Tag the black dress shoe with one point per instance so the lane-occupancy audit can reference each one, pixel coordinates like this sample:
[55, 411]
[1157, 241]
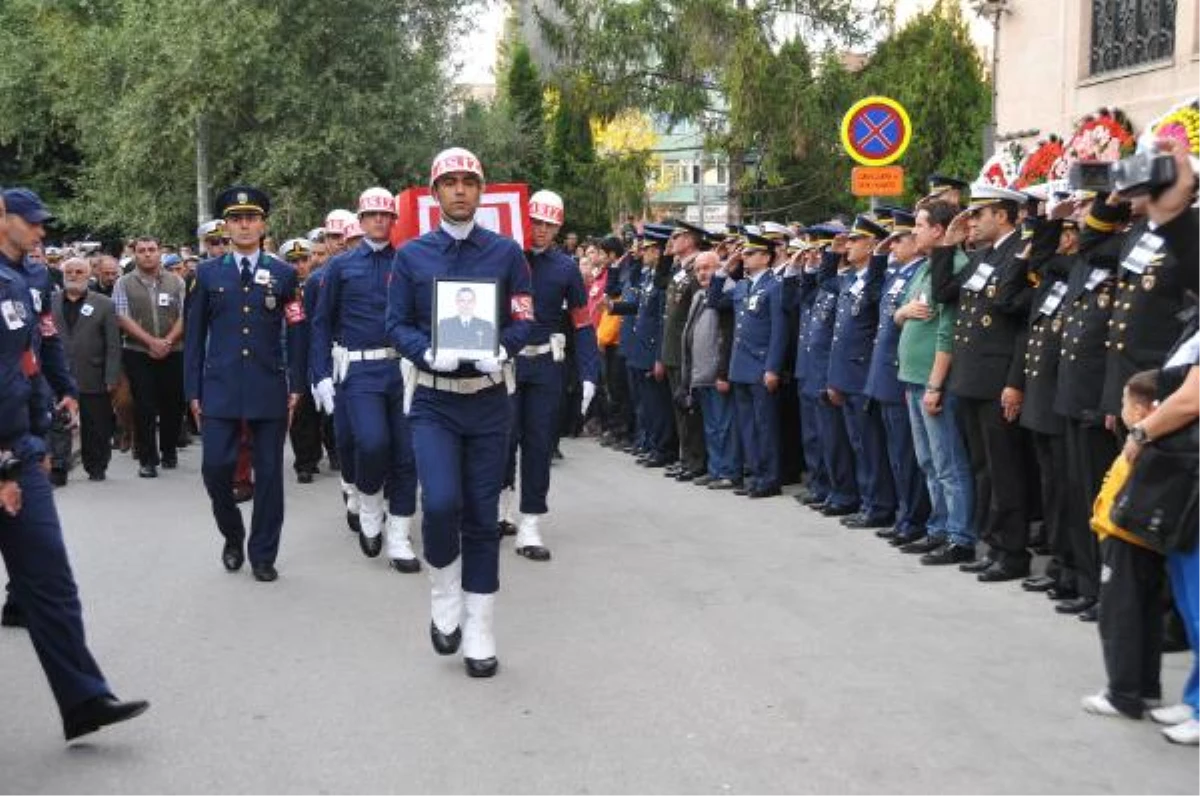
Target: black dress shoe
[1057, 593]
[265, 573]
[922, 546]
[742, 491]
[902, 539]
[653, 462]
[147, 471]
[481, 668]
[1076, 606]
[1040, 583]
[949, 554]
[445, 643]
[864, 521]
[100, 712]
[687, 475]
[170, 462]
[998, 573]
[534, 552]
[887, 533]
[232, 557]
[850, 518]
[833, 510]
[353, 522]
[814, 500]
[977, 566]
[304, 477]
[96, 475]
[58, 477]
[506, 528]
[1090, 615]
[772, 491]
[673, 469]
[243, 493]
[11, 615]
[371, 547]
[406, 565]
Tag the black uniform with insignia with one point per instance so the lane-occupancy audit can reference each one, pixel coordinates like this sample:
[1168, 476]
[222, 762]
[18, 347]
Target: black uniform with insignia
[678, 291]
[986, 361]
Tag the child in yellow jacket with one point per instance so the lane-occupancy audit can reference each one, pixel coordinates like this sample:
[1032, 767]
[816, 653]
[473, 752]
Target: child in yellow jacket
[1131, 582]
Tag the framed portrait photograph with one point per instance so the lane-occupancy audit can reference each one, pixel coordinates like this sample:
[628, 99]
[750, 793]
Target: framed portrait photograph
[466, 314]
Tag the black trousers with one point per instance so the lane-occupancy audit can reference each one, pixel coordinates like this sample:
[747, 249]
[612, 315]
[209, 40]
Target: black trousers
[95, 431]
[157, 386]
[1090, 450]
[619, 406]
[1131, 624]
[791, 454]
[329, 439]
[999, 460]
[689, 426]
[1051, 452]
[305, 434]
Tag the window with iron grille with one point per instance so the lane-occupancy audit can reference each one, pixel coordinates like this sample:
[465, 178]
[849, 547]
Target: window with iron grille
[1127, 33]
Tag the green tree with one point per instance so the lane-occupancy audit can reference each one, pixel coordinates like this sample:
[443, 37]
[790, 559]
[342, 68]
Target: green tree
[523, 90]
[572, 168]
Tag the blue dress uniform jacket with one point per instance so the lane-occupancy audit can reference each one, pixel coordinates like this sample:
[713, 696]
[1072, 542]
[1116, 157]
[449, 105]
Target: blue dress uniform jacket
[558, 291]
[760, 325]
[819, 338]
[855, 326]
[648, 324]
[352, 310]
[53, 354]
[233, 358]
[883, 381]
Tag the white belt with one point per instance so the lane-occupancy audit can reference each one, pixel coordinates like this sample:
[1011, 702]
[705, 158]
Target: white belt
[536, 350]
[462, 386]
[372, 355]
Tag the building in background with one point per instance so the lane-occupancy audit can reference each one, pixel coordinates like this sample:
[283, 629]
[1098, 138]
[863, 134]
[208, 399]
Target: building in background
[685, 181]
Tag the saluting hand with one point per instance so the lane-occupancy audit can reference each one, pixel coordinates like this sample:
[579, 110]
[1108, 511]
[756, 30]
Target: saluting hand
[956, 233]
[10, 497]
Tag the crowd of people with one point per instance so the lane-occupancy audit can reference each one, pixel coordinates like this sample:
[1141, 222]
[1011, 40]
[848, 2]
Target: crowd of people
[962, 371]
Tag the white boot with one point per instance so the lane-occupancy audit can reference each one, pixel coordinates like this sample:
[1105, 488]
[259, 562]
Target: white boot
[446, 607]
[350, 498]
[508, 512]
[479, 640]
[529, 539]
[371, 513]
[399, 545]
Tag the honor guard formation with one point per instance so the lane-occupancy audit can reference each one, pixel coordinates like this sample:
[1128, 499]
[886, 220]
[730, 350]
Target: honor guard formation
[1001, 378]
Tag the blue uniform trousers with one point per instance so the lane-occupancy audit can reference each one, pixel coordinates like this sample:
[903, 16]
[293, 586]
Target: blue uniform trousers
[810, 442]
[343, 435]
[912, 496]
[838, 455]
[871, 470]
[758, 429]
[44, 589]
[382, 448]
[636, 379]
[461, 447]
[220, 438]
[536, 409]
[658, 419]
[1184, 571]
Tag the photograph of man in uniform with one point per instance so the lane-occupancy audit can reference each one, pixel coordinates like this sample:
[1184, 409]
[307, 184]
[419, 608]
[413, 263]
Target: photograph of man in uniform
[460, 330]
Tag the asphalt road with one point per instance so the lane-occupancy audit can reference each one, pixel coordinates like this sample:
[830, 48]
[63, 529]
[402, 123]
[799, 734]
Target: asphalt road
[680, 641]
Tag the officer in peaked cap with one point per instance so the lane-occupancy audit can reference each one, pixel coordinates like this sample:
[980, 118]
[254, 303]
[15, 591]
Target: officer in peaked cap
[883, 383]
[681, 284]
[807, 258]
[236, 372]
[988, 377]
[622, 293]
[759, 346]
[365, 377]
[212, 237]
[791, 457]
[305, 430]
[948, 189]
[850, 356]
[657, 420]
[460, 405]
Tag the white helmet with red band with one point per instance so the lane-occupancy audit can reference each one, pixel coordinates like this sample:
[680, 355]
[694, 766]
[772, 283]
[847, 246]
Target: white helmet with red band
[376, 200]
[547, 206]
[353, 230]
[336, 221]
[453, 160]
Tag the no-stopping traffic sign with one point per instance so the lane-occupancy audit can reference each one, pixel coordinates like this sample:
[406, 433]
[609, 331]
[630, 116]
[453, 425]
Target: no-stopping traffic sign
[876, 131]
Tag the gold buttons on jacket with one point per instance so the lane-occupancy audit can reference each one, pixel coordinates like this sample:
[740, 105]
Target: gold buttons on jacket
[986, 321]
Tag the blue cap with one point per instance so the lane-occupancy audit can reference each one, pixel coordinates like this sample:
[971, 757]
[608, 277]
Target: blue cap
[864, 227]
[170, 261]
[26, 204]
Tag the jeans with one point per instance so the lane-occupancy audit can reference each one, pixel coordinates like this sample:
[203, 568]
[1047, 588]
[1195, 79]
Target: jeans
[1183, 569]
[942, 456]
[720, 433]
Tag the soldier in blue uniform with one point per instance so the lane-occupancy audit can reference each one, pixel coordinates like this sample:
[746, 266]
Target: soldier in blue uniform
[842, 498]
[849, 357]
[31, 541]
[623, 289]
[25, 222]
[557, 292]
[883, 382]
[759, 344]
[807, 258]
[460, 415]
[350, 310]
[235, 372]
[305, 431]
[654, 393]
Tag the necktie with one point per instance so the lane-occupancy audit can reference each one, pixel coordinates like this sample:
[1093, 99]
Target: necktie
[246, 273]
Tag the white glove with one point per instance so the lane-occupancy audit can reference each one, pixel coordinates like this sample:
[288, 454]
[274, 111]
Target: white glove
[323, 395]
[491, 365]
[444, 363]
[589, 392]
